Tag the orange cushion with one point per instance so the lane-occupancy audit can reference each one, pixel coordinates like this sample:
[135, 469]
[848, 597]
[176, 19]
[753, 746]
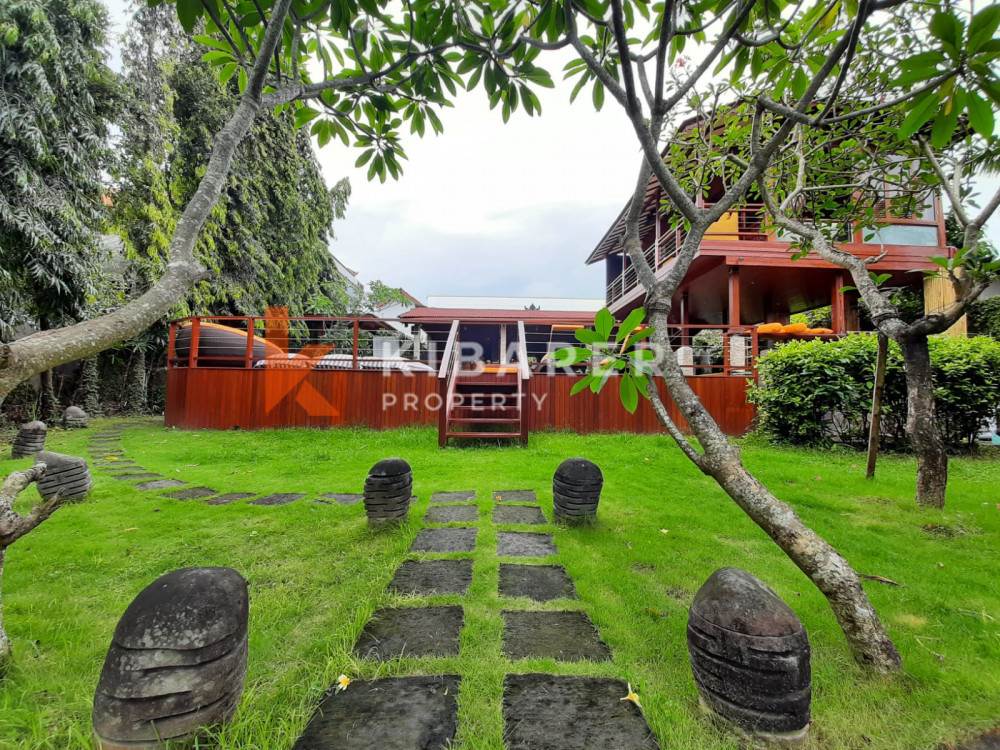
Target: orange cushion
[794, 328]
[819, 331]
[769, 328]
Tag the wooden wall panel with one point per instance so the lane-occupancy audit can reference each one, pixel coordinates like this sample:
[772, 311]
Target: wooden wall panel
[224, 398]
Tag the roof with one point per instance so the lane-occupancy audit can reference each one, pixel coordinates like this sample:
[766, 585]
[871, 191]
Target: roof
[414, 300]
[472, 315]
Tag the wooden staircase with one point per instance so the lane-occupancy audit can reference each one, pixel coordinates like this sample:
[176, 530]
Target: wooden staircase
[487, 403]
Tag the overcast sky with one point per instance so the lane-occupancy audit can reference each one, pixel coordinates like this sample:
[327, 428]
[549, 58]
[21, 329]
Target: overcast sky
[488, 208]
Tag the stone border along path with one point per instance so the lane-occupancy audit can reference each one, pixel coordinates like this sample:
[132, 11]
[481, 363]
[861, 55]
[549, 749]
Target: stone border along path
[540, 711]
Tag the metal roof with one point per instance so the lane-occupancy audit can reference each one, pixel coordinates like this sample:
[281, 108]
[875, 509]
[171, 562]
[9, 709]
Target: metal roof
[472, 315]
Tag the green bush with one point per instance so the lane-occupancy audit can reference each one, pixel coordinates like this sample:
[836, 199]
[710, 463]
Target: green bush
[818, 392]
[984, 317]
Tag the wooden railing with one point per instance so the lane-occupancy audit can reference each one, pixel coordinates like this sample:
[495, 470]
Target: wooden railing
[523, 381]
[447, 377]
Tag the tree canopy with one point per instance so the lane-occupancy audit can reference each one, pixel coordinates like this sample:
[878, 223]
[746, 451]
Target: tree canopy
[54, 113]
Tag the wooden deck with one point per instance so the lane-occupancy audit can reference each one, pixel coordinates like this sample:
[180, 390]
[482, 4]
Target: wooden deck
[223, 398]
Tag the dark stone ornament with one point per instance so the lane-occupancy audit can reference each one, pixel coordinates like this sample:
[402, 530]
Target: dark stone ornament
[388, 489]
[30, 440]
[177, 660]
[75, 418]
[750, 657]
[65, 476]
[576, 490]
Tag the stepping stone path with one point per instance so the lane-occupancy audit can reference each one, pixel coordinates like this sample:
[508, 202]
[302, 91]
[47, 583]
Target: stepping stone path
[452, 514]
[432, 577]
[454, 497]
[278, 498]
[343, 498]
[230, 497]
[159, 484]
[411, 631]
[540, 711]
[191, 493]
[515, 496]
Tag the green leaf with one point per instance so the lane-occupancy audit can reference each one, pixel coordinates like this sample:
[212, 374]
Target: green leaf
[981, 115]
[571, 356]
[982, 27]
[598, 95]
[604, 321]
[587, 336]
[947, 27]
[305, 114]
[923, 108]
[581, 384]
[645, 333]
[630, 323]
[188, 13]
[628, 393]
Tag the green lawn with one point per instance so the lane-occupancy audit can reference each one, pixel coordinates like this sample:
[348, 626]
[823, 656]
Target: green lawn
[317, 573]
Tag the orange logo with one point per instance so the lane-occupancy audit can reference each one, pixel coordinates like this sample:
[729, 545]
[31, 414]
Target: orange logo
[285, 374]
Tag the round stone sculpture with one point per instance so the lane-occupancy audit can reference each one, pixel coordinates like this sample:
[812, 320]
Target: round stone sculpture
[30, 439]
[65, 476]
[750, 656]
[576, 490]
[177, 661]
[75, 418]
[388, 489]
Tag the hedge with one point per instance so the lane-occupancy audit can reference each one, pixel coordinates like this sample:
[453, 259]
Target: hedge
[818, 392]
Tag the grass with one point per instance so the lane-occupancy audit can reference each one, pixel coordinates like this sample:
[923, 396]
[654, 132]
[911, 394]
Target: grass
[317, 574]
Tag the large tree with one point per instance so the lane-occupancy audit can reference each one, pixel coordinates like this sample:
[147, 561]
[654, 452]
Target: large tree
[54, 113]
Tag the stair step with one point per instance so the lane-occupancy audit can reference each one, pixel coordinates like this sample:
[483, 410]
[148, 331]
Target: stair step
[482, 434]
[484, 420]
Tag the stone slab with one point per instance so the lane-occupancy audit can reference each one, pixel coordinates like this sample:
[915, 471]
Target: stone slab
[191, 493]
[515, 496]
[132, 477]
[411, 631]
[159, 484]
[525, 544]
[230, 497]
[542, 583]
[344, 498]
[564, 636]
[550, 712]
[454, 497]
[519, 514]
[432, 577]
[278, 498]
[452, 514]
[455, 539]
[394, 713]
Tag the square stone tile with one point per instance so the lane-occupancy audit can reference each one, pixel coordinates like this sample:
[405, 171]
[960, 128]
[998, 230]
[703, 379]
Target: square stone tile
[525, 544]
[550, 712]
[191, 493]
[411, 631]
[393, 713]
[542, 583]
[135, 476]
[515, 496]
[454, 497]
[159, 484]
[278, 498]
[230, 497]
[564, 636]
[452, 514]
[529, 515]
[456, 539]
[343, 498]
[430, 577]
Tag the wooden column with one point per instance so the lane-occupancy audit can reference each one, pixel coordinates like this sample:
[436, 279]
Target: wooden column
[685, 319]
[838, 305]
[734, 295]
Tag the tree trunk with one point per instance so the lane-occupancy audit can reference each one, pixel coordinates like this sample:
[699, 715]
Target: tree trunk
[48, 410]
[88, 390]
[12, 527]
[824, 566]
[135, 383]
[921, 424]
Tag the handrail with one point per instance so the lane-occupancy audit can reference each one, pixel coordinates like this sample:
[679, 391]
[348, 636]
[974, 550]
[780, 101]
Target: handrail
[522, 352]
[449, 350]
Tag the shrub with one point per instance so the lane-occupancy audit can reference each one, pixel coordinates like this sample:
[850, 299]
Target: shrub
[817, 392]
[984, 317]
